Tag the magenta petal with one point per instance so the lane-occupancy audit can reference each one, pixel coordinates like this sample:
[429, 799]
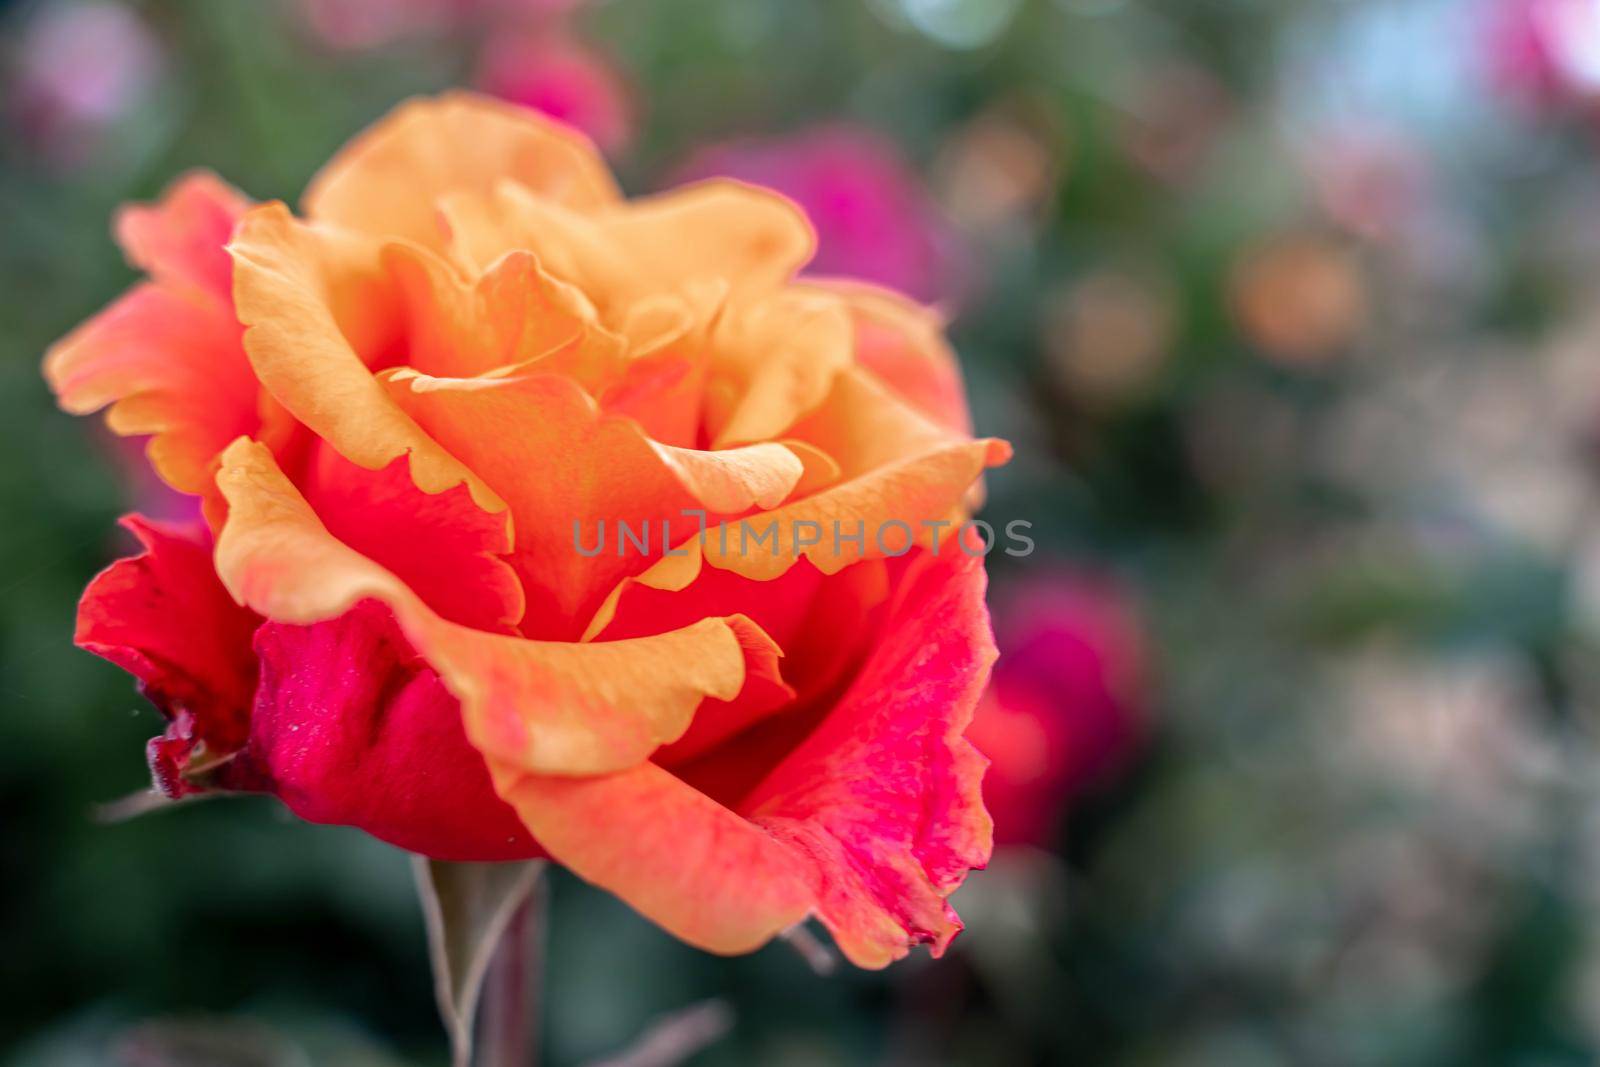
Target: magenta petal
[352, 727]
[884, 798]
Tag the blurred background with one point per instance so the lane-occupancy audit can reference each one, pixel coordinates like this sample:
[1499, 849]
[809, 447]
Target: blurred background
[1292, 310]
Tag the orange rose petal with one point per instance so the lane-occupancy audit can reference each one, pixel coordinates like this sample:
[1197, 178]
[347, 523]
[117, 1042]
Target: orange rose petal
[773, 361]
[676, 570]
[820, 469]
[662, 385]
[482, 226]
[739, 238]
[671, 573]
[660, 392]
[903, 344]
[735, 479]
[511, 314]
[678, 857]
[166, 355]
[548, 708]
[292, 281]
[749, 237]
[899, 499]
[904, 472]
[863, 425]
[796, 611]
[889, 507]
[388, 180]
[866, 425]
[168, 361]
[591, 468]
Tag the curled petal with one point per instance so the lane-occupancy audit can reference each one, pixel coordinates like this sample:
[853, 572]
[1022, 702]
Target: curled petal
[163, 617]
[591, 469]
[751, 238]
[739, 239]
[443, 546]
[820, 621]
[482, 226]
[780, 609]
[388, 181]
[168, 361]
[182, 238]
[733, 480]
[884, 797]
[312, 301]
[663, 381]
[906, 484]
[513, 313]
[554, 708]
[884, 513]
[678, 857]
[772, 362]
[902, 343]
[865, 426]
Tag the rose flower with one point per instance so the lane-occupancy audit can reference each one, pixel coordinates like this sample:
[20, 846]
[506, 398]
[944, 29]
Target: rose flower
[423, 422]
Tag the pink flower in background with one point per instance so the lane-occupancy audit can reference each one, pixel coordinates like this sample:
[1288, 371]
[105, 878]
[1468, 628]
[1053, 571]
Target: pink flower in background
[555, 74]
[81, 69]
[1545, 53]
[874, 219]
[1065, 706]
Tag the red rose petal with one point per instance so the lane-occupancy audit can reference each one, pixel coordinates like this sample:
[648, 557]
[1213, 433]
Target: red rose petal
[352, 727]
[442, 545]
[164, 617]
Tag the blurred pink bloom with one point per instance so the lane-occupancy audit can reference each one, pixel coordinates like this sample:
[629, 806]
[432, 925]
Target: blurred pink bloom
[81, 68]
[1066, 703]
[1544, 52]
[874, 219]
[557, 75]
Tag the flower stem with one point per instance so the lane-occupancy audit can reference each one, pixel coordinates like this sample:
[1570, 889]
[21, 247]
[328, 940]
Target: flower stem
[508, 1034]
